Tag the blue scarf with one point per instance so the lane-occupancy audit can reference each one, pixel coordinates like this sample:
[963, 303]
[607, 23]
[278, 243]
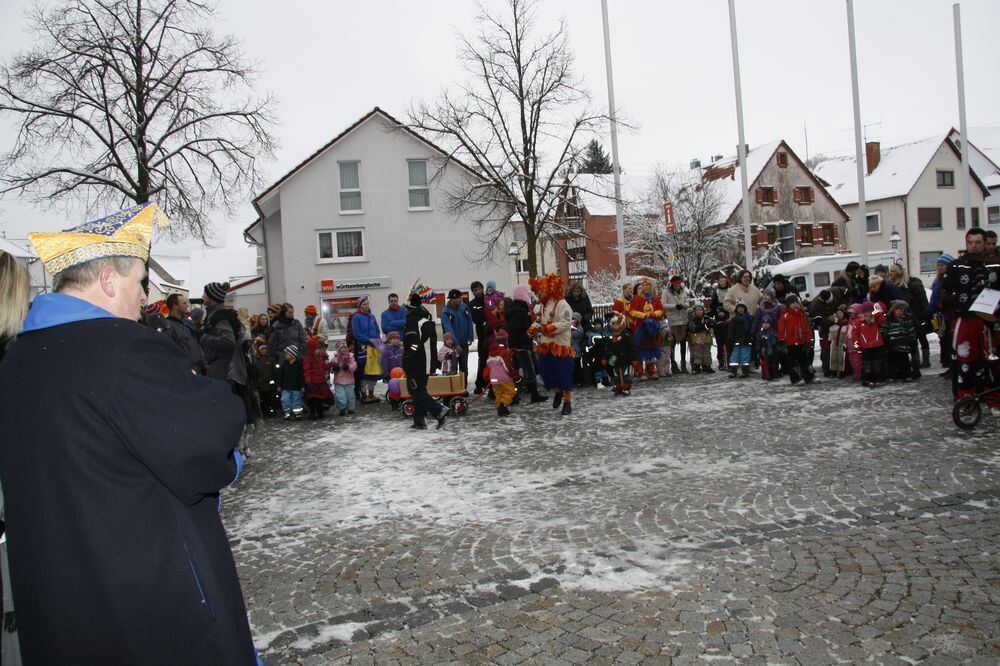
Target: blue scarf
[48, 310]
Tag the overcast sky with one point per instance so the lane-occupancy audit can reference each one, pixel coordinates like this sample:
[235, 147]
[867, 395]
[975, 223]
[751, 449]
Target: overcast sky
[329, 63]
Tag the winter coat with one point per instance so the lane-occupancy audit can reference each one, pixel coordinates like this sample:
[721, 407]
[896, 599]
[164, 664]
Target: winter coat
[518, 319]
[621, 305]
[698, 331]
[491, 301]
[676, 306]
[868, 334]
[344, 367]
[739, 329]
[364, 329]
[218, 340]
[319, 330]
[583, 307]
[314, 370]
[839, 333]
[751, 295]
[477, 307]
[899, 334]
[419, 346]
[182, 336]
[501, 366]
[448, 358]
[290, 375]
[283, 334]
[769, 312]
[794, 328]
[620, 350]
[393, 320]
[821, 313]
[887, 293]
[266, 372]
[112, 507]
[918, 299]
[392, 357]
[721, 328]
[642, 308]
[577, 337]
[458, 322]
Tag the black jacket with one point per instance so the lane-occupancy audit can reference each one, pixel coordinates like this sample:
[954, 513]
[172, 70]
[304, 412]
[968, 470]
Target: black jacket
[419, 346]
[290, 375]
[182, 336]
[117, 551]
[583, 307]
[218, 339]
[518, 322]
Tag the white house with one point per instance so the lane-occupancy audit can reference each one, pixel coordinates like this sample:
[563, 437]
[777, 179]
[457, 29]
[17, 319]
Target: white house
[914, 189]
[366, 215]
[984, 158]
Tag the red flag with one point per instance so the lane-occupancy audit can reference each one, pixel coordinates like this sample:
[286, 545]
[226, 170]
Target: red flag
[668, 216]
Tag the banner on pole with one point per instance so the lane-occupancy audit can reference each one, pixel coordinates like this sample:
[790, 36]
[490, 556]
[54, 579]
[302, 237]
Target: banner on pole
[668, 217]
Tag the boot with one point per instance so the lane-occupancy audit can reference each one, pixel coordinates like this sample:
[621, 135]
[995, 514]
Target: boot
[744, 370]
[557, 399]
[567, 406]
[535, 395]
[707, 369]
[503, 410]
[684, 369]
[925, 358]
[695, 369]
[637, 370]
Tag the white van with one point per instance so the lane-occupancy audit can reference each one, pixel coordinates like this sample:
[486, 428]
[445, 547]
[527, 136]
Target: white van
[810, 275]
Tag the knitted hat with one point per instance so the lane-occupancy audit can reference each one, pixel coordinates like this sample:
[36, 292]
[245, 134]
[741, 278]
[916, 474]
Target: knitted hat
[447, 336]
[901, 304]
[868, 306]
[292, 349]
[311, 345]
[856, 308]
[217, 291]
[361, 299]
[341, 345]
[273, 310]
[945, 258]
[262, 350]
[576, 316]
[491, 284]
[392, 335]
[310, 309]
[618, 322]
[522, 293]
[881, 268]
[454, 293]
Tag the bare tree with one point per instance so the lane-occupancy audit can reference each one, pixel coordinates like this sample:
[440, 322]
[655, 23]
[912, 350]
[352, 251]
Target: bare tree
[701, 241]
[133, 101]
[518, 121]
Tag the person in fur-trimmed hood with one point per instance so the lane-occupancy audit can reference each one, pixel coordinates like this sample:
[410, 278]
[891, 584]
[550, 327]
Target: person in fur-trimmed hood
[555, 355]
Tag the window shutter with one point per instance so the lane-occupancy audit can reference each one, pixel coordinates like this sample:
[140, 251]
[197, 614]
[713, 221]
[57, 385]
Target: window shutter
[798, 235]
[774, 195]
[812, 195]
[759, 195]
[797, 195]
[761, 236]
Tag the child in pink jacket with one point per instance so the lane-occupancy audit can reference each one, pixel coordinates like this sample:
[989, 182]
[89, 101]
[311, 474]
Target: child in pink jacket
[343, 369]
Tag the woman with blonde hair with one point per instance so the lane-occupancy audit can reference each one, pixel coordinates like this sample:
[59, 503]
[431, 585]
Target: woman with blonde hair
[14, 293]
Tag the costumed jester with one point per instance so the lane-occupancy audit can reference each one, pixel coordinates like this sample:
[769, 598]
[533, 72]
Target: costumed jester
[646, 312]
[555, 355]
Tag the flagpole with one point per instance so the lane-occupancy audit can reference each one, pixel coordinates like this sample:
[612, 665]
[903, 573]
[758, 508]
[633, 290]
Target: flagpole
[741, 150]
[858, 147]
[963, 128]
[614, 144]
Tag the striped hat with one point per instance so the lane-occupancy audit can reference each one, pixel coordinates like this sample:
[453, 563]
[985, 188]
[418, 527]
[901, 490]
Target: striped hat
[292, 349]
[217, 291]
[945, 258]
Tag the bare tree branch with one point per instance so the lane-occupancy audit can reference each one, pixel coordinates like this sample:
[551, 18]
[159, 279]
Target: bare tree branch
[122, 101]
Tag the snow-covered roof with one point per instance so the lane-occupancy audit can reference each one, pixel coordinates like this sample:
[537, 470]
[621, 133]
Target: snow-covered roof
[177, 267]
[731, 186]
[897, 171]
[984, 156]
[16, 250]
[596, 192]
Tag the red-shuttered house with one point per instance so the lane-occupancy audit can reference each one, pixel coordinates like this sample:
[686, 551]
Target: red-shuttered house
[791, 208]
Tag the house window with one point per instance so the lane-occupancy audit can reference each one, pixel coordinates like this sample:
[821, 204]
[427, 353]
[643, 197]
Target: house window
[341, 245]
[829, 234]
[806, 234]
[821, 279]
[993, 214]
[945, 178]
[874, 222]
[521, 265]
[928, 261]
[767, 196]
[350, 187]
[783, 160]
[928, 218]
[520, 234]
[960, 217]
[419, 193]
[804, 196]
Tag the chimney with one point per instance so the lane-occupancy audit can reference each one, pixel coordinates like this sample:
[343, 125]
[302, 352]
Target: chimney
[873, 154]
[695, 164]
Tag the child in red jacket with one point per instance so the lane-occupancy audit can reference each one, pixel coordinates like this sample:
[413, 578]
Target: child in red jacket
[315, 369]
[868, 340]
[795, 332]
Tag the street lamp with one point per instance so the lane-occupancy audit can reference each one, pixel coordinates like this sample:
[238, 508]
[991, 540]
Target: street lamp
[894, 239]
[513, 251]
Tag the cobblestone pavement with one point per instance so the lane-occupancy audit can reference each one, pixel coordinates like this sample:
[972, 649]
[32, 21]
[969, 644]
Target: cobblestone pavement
[701, 518]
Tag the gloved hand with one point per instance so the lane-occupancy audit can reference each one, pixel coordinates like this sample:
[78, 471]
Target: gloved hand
[335, 367]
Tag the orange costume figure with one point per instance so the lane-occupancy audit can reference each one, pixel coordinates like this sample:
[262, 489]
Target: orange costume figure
[552, 330]
[646, 313]
[623, 304]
